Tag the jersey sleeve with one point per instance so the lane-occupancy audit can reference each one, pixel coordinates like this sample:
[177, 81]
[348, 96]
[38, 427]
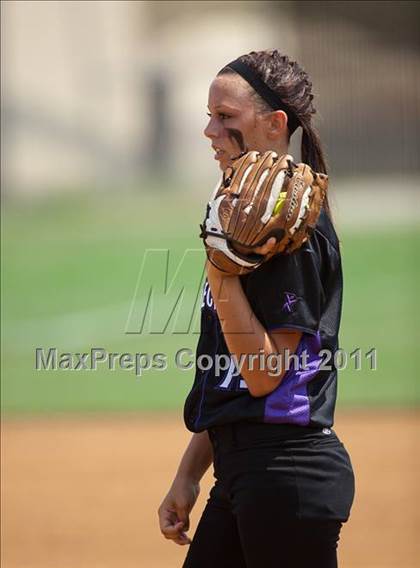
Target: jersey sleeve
[287, 291]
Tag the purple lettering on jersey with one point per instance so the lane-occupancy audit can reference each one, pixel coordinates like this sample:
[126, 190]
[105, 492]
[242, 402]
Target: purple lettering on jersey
[289, 402]
[207, 297]
[290, 300]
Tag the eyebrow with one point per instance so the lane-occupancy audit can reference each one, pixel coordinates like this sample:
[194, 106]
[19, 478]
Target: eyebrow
[223, 106]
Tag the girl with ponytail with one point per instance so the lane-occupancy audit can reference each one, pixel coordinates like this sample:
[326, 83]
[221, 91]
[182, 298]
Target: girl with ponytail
[284, 483]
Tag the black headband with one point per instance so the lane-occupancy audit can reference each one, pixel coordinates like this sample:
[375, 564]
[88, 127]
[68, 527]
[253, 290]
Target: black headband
[265, 92]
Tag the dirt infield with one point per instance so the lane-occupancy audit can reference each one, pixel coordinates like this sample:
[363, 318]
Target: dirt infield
[83, 492]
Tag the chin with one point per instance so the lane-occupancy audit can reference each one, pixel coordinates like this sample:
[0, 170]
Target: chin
[224, 164]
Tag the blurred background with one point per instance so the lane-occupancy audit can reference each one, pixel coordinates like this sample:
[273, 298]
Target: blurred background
[103, 157]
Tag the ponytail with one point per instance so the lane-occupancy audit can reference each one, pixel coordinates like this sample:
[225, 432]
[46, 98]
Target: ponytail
[312, 154]
[311, 149]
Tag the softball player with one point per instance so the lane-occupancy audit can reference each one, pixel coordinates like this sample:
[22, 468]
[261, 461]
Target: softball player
[284, 481]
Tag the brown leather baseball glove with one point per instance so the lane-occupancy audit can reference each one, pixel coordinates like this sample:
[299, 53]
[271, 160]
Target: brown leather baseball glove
[261, 196]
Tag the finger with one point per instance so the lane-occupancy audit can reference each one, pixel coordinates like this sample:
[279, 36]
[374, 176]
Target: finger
[182, 513]
[172, 530]
[182, 539]
[266, 247]
[167, 519]
[270, 244]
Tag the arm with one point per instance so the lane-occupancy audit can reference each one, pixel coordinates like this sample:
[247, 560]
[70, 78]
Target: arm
[176, 506]
[197, 458]
[235, 315]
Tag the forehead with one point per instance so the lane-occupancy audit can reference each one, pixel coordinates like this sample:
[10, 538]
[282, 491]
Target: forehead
[229, 90]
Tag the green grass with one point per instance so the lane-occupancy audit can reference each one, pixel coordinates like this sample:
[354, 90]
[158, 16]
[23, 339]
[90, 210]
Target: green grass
[381, 311]
[70, 267]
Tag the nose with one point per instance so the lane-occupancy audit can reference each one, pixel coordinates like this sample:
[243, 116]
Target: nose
[211, 130]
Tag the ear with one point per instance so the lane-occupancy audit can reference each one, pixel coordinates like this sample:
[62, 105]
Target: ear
[276, 124]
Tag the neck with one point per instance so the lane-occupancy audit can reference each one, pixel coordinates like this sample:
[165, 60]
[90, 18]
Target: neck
[281, 147]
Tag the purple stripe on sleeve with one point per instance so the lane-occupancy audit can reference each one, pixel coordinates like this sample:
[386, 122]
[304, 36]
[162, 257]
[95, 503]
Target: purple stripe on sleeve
[289, 402]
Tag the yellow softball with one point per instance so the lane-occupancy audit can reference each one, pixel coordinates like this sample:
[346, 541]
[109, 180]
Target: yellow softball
[279, 203]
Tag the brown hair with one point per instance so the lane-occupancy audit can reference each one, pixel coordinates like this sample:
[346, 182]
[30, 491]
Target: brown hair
[288, 79]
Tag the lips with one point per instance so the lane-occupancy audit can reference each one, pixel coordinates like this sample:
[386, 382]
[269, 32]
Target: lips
[219, 153]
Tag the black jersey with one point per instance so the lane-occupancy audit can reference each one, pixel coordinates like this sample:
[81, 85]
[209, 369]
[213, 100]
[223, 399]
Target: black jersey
[301, 291]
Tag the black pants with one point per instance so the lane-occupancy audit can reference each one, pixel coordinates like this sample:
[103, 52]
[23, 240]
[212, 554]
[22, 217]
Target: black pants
[280, 497]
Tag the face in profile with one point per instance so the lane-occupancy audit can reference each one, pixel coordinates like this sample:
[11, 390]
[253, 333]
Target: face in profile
[235, 125]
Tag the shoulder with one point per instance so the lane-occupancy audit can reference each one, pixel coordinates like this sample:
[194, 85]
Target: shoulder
[325, 232]
[314, 260]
